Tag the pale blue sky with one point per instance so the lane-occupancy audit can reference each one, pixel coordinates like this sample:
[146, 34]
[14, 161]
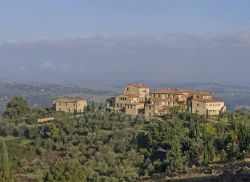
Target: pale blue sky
[35, 19]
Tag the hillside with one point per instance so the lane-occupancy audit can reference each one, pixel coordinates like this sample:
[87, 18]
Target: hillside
[238, 171]
[107, 146]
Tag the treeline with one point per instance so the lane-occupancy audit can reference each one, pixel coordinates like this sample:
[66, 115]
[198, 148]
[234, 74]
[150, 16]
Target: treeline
[104, 146]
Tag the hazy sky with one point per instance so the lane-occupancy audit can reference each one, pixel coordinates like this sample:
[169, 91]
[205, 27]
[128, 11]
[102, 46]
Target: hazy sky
[33, 19]
[169, 40]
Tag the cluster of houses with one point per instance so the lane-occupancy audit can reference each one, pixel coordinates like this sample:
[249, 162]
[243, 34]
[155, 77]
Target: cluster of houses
[138, 99]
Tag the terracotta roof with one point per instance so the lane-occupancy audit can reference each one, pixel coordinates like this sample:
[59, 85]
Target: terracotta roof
[168, 91]
[139, 85]
[204, 93]
[185, 90]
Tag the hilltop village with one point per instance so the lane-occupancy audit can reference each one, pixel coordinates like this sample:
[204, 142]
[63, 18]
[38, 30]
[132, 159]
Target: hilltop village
[137, 99]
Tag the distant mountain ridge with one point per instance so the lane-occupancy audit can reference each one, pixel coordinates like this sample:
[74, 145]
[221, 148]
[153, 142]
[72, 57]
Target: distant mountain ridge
[41, 94]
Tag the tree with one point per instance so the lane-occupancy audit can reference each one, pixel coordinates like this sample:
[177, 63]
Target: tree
[4, 163]
[243, 136]
[91, 107]
[17, 107]
[174, 157]
[194, 152]
[209, 151]
[102, 106]
[66, 171]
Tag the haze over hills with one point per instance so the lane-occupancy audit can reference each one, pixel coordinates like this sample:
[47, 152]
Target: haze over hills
[202, 57]
[42, 94]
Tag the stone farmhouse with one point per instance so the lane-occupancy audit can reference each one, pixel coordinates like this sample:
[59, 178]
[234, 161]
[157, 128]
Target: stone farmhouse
[136, 99]
[69, 105]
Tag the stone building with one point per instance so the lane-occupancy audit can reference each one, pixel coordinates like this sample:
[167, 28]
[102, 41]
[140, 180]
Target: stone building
[132, 99]
[139, 90]
[69, 105]
[161, 101]
[136, 99]
[168, 97]
[210, 107]
[155, 110]
[202, 95]
[135, 109]
[122, 101]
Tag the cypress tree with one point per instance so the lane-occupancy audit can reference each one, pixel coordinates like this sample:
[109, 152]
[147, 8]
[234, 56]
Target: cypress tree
[93, 108]
[205, 156]
[4, 163]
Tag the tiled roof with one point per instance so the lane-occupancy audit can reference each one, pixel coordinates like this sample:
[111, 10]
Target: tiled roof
[203, 93]
[167, 91]
[181, 91]
[185, 91]
[67, 100]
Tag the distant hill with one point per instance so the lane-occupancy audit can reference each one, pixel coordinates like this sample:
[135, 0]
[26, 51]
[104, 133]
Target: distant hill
[39, 94]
